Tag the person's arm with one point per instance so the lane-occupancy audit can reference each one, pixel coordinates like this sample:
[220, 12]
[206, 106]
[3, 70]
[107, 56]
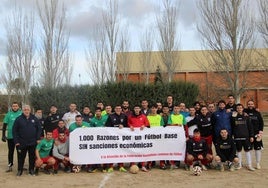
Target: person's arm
[218, 151]
[15, 132]
[108, 122]
[4, 138]
[56, 153]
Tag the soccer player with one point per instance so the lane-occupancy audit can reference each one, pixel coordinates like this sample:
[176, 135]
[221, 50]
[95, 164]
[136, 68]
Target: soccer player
[138, 120]
[61, 128]
[8, 123]
[99, 120]
[221, 119]
[61, 151]
[205, 127]
[87, 115]
[230, 106]
[145, 107]
[177, 119]
[155, 120]
[225, 151]
[257, 122]
[42, 153]
[69, 117]
[51, 122]
[243, 134]
[191, 121]
[125, 108]
[197, 150]
[117, 120]
[79, 123]
[39, 115]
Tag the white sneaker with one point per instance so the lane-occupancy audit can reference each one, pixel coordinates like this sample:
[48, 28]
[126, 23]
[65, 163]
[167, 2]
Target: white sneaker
[221, 167]
[239, 166]
[144, 169]
[204, 167]
[251, 168]
[258, 166]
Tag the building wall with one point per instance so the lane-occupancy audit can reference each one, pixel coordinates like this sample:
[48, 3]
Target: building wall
[257, 86]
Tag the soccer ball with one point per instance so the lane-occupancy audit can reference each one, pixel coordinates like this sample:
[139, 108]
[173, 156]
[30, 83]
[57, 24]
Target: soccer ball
[134, 169]
[76, 168]
[197, 170]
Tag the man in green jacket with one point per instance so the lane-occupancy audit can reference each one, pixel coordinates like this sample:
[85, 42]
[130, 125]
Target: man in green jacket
[8, 123]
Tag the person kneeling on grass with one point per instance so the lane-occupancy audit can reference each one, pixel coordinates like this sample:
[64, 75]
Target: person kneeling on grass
[226, 151]
[197, 150]
[42, 153]
[61, 152]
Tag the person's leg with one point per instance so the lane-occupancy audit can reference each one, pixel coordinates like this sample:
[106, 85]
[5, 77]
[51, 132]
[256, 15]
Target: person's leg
[11, 148]
[31, 155]
[21, 154]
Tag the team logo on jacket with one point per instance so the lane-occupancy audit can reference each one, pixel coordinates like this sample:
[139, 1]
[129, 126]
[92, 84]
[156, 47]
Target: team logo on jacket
[32, 120]
[121, 120]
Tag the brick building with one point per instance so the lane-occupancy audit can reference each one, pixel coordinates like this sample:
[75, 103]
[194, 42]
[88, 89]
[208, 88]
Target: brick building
[193, 66]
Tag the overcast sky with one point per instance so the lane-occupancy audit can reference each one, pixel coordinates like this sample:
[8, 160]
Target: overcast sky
[82, 14]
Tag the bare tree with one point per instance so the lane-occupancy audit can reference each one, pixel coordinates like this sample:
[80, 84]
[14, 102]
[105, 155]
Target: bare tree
[95, 56]
[6, 79]
[146, 45]
[111, 25]
[123, 58]
[20, 51]
[54, 53]
[227, 32]
[168, 46]
[263, 29]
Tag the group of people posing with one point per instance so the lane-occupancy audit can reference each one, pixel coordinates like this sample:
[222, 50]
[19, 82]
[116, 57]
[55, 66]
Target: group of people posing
[229, 126]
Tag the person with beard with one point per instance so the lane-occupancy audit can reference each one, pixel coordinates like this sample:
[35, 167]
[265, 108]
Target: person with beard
[69, 117]
[205, 127]
[39, 115]
[51, 122]
[8, 123]
[257, 122]
[61, 128]
[221, 119]
[125, 108]
[145, 107]
[61, 151]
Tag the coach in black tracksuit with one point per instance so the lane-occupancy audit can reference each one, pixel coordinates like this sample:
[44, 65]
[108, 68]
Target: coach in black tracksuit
[26, 133]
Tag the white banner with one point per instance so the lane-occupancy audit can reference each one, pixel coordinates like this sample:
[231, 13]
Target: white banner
[113, 145]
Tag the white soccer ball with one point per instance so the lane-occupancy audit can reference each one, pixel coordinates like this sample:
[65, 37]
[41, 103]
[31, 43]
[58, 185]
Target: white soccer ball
[134, 169]
[197, 170]
[76, 168]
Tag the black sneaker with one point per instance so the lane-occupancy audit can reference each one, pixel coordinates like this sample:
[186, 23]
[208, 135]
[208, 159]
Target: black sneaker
[9, 167]
[31, 173]
[36, 171]
[55, 171]
[92, 170]
[67, 169]
[46, 171]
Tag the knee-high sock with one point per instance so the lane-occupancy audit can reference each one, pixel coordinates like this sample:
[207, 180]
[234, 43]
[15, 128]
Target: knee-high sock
[239, 155]
[248, 156]
[258, 156]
